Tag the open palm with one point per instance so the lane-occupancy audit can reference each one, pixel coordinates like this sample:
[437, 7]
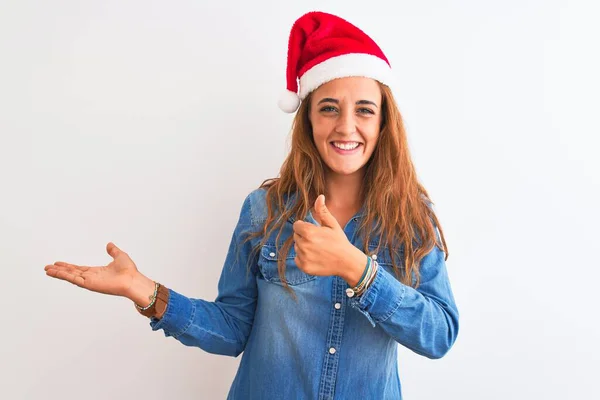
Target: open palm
[115, 278]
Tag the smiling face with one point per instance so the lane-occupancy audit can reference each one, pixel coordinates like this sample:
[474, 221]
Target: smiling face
[345, 115]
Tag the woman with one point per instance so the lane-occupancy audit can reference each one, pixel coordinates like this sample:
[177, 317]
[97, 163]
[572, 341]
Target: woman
[332, 264]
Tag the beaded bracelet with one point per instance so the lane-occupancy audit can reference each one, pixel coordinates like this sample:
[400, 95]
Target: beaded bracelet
[153, 299]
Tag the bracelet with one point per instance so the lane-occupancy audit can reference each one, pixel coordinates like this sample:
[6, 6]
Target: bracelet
[363, 280]
[365, 272]
[371, 278]
[153, 299]
[366, 279]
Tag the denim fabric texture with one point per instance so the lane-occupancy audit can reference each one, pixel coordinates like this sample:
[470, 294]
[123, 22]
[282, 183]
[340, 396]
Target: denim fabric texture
[325, 345]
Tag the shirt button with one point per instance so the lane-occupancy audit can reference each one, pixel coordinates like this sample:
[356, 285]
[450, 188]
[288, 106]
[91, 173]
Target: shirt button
[271, 254]
[338, 306]
[331, 350]
[374, 256]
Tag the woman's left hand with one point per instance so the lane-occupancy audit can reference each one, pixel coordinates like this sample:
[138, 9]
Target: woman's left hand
[325, 250]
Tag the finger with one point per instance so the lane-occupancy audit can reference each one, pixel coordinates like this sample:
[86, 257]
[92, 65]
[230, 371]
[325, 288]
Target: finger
[297, 237]
[65, 264]
[298, 249]
[113, 250]
[296, 226]
[322, 214]
[61, 264]
[66, 275]
[77, 271]
[302, 228]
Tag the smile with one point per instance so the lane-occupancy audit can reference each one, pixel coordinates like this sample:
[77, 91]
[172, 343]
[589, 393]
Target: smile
[346, 147]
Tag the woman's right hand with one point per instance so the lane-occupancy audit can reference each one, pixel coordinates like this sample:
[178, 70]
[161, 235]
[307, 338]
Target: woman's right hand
[117, 278]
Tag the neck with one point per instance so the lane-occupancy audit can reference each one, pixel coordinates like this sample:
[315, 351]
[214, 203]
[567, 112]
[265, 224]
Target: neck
[342, 191]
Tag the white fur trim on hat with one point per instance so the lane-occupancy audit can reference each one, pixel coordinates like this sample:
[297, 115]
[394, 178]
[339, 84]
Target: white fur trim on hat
[353, 64]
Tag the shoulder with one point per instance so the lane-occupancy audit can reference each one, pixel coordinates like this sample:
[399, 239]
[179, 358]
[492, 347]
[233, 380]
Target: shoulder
[255, 205]
[257, 196]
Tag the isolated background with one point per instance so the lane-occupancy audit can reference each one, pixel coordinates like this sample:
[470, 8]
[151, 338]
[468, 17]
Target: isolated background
[146, 123]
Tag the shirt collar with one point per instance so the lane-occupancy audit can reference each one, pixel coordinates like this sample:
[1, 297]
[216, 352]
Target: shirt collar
[309, 217]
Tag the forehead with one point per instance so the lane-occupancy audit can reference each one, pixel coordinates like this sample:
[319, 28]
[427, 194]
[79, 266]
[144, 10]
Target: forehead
[355, 88]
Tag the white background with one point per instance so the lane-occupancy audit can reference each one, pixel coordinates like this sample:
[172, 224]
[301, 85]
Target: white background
[146, 123]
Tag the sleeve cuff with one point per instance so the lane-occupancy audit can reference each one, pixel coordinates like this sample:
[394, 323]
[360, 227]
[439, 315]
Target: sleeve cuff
[178, 315]
[381, 299]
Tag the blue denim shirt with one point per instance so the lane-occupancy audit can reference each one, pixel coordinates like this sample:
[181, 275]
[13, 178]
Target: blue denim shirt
[326, 345]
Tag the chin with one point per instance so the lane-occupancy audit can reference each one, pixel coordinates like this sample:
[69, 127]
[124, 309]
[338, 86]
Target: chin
[341, 170]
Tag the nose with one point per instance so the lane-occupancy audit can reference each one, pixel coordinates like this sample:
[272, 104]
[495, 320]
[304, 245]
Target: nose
[346, 122]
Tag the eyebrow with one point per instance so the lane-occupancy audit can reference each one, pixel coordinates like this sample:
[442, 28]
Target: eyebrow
[336, 101]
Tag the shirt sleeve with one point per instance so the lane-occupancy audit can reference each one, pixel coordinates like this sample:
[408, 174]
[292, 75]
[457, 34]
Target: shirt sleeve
[221, 326]
[425, 319]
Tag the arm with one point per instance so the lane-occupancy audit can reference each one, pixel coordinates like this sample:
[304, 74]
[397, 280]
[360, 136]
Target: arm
[425, 319]
[221, 326]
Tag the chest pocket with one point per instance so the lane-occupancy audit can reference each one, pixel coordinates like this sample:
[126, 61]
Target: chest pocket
[267, 262]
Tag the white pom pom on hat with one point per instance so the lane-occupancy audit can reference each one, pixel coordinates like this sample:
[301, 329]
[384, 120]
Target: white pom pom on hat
[323, 47]
[289, 101]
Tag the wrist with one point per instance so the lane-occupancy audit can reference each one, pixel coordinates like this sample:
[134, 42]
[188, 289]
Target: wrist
[141, 290]
[354, 268]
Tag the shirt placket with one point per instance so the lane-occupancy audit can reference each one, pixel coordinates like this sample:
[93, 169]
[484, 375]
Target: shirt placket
[334, 340]
[336, 328]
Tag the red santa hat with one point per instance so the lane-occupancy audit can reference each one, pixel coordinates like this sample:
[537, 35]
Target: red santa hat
[323, 47]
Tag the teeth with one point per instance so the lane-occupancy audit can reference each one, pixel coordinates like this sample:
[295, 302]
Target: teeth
[346, 146]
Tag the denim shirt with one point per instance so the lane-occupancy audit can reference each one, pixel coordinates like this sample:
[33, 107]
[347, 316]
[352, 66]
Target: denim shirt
[325, 345]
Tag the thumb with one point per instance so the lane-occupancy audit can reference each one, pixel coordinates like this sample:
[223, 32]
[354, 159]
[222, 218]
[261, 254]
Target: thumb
[322, 214]
[113, 250]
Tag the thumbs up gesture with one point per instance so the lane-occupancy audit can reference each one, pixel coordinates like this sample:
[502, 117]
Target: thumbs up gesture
[325, 250]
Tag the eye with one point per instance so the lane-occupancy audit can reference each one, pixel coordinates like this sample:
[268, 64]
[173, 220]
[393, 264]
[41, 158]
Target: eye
[365, 111]
[328, 109]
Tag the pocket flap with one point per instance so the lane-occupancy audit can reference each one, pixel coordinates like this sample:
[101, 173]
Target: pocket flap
[270, 253]
[268, 267]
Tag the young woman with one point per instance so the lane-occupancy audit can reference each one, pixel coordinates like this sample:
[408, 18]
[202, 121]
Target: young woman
[332, 264]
